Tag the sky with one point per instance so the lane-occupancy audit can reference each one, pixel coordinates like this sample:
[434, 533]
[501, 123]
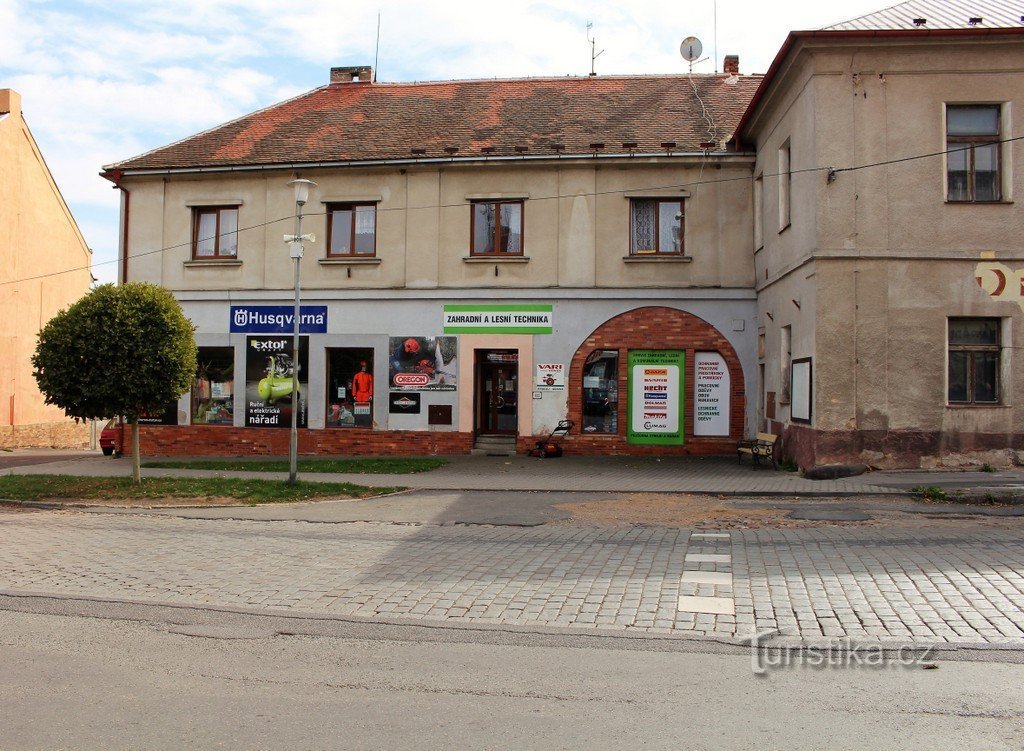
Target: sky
[105, 80]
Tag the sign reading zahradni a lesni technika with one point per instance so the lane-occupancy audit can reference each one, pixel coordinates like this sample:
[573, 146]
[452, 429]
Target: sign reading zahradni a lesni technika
[498, 319]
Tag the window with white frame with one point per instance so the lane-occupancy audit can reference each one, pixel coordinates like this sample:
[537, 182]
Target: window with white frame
[785, 185]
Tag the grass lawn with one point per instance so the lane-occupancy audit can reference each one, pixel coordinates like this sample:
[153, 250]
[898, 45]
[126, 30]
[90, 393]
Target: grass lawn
[175, 490]
[375, 466]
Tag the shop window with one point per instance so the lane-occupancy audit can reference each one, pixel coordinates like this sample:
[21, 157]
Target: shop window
[974, 360]
[656, 226]
[350, 388]
[601, 392]
[973, 154]
[497, 228]
[215, 232]
[213, 390]
[352, 229]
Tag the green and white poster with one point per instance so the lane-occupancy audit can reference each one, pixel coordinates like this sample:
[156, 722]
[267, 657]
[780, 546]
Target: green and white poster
[656, 397]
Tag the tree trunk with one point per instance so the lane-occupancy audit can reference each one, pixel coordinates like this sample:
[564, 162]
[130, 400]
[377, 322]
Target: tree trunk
[136, 463]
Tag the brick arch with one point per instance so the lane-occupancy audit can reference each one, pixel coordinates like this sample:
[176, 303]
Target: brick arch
[656, 327]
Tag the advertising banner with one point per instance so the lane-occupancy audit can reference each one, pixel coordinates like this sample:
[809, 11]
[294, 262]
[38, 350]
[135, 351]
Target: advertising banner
[498, 319]
[269, 363]
[550, 377]
[710, 394]
[278, 319]
[169, 416]
[423, 363]
[656, 397]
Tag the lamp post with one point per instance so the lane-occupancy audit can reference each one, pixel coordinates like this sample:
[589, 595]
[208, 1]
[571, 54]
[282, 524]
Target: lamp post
[295, 246]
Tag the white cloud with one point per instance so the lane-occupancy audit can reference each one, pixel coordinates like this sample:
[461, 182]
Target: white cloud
[104, 81]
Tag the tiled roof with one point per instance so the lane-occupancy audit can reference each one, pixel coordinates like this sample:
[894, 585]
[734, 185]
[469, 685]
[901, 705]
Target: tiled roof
[361, 121]
[939, 14]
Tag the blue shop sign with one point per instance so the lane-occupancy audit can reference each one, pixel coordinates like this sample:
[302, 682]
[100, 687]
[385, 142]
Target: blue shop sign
[277, 319]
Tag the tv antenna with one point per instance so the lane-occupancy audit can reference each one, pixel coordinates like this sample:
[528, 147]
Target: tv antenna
[593, 46]
[691, 49]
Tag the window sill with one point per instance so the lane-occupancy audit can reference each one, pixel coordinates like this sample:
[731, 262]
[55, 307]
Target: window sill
[349, 261]
[978, 203]
[219, 262]
[969, 405]
[496, 258]
[657, 258]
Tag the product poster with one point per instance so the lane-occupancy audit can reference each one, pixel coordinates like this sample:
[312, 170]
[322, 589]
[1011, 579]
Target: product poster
[423, 363]
[550, 377]
[710, 394]
[656, 397]
[268, 381]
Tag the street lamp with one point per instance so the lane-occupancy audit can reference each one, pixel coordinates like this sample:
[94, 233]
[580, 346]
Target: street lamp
[295, 246]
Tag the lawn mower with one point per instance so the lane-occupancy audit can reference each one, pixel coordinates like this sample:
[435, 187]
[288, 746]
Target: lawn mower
[548, 448]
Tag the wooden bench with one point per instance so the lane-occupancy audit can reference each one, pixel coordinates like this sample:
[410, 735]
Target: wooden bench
[757, 448]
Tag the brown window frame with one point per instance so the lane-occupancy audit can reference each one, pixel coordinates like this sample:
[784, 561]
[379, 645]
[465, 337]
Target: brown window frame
[350, 206]
[497, 204]
[971, 350]
[197, 214]
[969, 142]
[657, 225]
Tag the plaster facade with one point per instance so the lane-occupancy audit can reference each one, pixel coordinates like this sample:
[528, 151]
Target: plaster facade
[44, 267]
[876, 261]
[576, 259]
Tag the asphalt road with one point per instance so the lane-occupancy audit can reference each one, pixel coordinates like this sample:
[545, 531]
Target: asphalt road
[95, 675]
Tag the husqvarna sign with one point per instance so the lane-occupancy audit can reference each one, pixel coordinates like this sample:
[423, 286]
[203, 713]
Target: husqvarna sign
[277, 319]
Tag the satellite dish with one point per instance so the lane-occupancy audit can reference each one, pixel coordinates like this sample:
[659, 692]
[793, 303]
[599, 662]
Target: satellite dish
[691, 49]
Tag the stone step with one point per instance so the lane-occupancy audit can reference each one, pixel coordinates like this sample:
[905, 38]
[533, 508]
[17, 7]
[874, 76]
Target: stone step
[494, 445]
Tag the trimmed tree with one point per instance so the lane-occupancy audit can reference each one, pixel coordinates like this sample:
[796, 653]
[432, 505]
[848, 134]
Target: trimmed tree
[125, 350]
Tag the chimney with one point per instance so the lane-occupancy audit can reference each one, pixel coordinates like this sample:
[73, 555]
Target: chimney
[350, 73]
[10, 101]
[731, 65]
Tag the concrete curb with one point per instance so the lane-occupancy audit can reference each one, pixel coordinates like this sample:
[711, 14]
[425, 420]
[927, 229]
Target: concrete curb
[888, 645]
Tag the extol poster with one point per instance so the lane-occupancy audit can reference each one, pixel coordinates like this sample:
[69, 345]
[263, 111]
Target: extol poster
[269, 364]
[656, 397]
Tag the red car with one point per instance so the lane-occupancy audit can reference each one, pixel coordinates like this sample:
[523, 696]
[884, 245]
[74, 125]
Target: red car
[108, 437]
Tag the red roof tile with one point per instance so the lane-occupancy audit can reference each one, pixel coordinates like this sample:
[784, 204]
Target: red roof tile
[363, 121]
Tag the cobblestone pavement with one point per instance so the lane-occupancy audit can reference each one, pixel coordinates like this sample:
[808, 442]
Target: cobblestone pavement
[909, 586]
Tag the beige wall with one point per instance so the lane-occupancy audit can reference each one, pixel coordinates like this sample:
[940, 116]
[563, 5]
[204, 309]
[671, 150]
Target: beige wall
[886, 259]
[38, 238]
[576, 226]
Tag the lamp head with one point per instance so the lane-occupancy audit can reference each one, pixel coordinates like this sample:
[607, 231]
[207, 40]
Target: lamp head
[302, 187]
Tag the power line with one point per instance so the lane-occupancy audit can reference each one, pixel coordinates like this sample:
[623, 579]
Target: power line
[831, 171]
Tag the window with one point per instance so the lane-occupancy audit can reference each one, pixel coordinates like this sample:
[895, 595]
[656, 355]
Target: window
[974, 345]
[973, 158]
[601, 392]
[785, 185]
[350, 387]
[352, 229]
[497, 227]
[213, 390]
[656, 226]
[215, 232]
[758, 212]
[786, 360]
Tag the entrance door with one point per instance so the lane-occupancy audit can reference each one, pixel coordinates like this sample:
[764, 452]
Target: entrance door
[497, 389]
